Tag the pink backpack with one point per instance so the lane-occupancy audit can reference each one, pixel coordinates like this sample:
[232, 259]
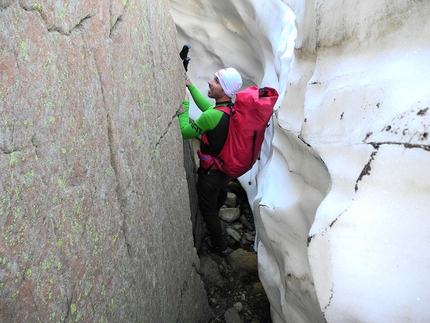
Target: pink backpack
[249, 118]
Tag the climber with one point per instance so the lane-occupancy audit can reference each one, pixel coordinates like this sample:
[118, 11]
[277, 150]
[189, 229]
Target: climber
[211, 184]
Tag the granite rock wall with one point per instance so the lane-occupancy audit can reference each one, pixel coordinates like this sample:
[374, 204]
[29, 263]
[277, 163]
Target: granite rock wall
[94, 208]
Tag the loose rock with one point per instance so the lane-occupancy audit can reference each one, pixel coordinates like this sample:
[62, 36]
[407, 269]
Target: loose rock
[232, 316]
[210, 271]
[243, 260]
[246, 223]
[234, 234]
[249, 237]
[231, 200]
[238, 306]
[241, 299]
[229, 214]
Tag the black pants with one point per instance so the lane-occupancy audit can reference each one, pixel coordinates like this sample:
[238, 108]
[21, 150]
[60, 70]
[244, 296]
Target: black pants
[212, 192]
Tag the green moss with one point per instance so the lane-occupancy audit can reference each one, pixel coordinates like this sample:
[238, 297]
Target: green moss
[61, 182]
[24, 45]
[17, 212]
[111, 304]
[47, 264]
[15, 157]
[52, 316]
[62, 12]
[73, 309]
[38, 7]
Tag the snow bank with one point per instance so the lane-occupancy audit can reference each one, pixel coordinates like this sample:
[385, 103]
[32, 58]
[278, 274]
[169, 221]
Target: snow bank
[341, 197]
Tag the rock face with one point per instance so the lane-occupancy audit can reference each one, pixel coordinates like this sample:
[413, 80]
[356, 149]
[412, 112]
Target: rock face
[341, 198]
[94, 209]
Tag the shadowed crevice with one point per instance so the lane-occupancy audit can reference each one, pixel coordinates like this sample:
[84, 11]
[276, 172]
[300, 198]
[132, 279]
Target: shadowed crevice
[79, 26]
[174, 119]
[114, 29]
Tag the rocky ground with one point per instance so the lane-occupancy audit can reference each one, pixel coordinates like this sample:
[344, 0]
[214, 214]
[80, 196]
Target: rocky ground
[234, 290]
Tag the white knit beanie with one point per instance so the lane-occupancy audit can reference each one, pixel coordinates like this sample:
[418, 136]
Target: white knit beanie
[230, 80]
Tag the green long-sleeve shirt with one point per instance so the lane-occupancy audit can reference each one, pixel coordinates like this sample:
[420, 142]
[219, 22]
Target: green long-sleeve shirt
[208, 120]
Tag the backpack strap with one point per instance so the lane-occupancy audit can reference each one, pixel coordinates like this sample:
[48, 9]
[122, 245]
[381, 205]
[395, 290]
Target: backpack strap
[225, 108]
[209, 162]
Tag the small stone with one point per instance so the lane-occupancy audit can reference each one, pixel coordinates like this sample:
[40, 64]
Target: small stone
[238, 306]
[231, 200]
[237, 226]
[229, 214]
[245, 222]
[234, 234]
[232, 316]
[249, 237]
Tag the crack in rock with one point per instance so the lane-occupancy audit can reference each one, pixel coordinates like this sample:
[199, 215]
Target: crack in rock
[114, 28]
[80, 25]
[120, 196]
[53, 28]
[61, 31]
[4, 5]
[6, 151]
[166, 131]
